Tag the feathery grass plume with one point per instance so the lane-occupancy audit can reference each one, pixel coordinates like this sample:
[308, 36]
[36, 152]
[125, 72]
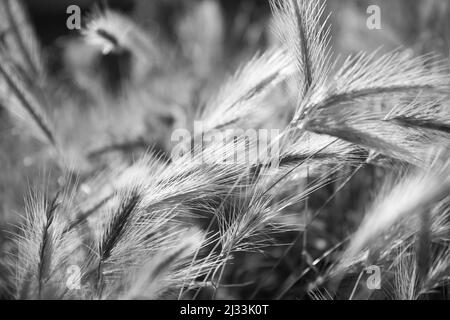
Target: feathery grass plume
[438, 274]
[247, 222]
[117, 226]
[134, 234]
[412, 195]
[249, 214]
[302, 27]
[308, 168]
[241, 213]
[405, 276]
[44, 249]
[19, 39]
[408, 285]
[114, 32]
[166, 270]
[241, 99]
[425, 115]
[398, 252]
[244, 225]
[364, 77]
[97, 190]
[193, 178]
[142, 216]
[408, 236]
[21, 101]
[368, 130]
[433, 266]
[318, 150]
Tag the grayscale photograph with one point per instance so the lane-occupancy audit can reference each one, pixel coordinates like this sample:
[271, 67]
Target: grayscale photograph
[224, 154]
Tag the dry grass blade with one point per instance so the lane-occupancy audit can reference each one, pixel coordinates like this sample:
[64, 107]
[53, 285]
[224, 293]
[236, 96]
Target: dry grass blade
[21, 101]
[19, 39]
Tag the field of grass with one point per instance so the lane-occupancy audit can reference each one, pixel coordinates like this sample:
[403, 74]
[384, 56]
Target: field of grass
[273, 150]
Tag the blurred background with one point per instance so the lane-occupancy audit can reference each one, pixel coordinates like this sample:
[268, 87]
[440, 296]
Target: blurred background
[242, 27]
[404, 22]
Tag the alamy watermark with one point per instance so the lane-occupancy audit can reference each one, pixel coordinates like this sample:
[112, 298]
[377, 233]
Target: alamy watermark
[73, 22]
[237, 145]
[373, 281]
[374, 20]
